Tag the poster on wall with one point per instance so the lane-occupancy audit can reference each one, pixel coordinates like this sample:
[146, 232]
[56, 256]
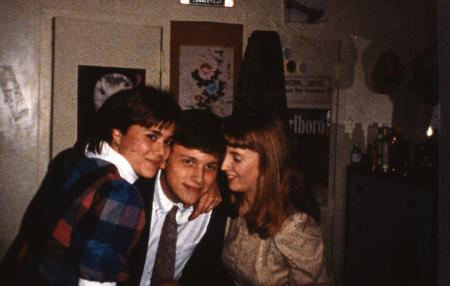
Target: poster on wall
[204, 64]
[308, 91]
[308, 100]
[311, 129]
[15, 113]
[304, 11]
[96, 84]
[206, 78]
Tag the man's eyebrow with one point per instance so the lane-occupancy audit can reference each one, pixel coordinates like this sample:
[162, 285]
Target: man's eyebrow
[196, 159]
[188, 156]
[155, 131]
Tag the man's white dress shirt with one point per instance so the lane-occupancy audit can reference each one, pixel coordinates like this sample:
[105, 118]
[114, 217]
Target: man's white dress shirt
[189, 232]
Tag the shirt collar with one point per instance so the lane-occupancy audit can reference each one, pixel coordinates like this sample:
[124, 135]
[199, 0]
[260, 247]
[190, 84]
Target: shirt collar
[109, 154]
[162, 204]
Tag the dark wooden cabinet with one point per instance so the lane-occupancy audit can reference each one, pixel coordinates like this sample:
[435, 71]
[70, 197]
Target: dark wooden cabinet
[390, 236]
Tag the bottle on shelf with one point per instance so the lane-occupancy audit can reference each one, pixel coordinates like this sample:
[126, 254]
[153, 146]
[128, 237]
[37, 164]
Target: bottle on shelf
[372, 156]
[396, 152]
[385, 150]
[379, 148]
[356, 156]
[389, 153]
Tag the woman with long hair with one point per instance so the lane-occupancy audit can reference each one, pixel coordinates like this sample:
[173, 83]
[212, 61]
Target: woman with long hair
[273, 237]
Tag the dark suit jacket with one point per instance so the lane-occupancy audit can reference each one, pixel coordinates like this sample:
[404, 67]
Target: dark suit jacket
[205, 265]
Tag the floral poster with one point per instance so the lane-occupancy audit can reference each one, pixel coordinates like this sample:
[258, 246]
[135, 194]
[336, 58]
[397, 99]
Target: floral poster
[206, 78]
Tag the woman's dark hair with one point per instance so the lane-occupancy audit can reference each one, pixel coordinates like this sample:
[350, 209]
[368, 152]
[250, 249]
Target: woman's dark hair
[144, 106]
[280, 187]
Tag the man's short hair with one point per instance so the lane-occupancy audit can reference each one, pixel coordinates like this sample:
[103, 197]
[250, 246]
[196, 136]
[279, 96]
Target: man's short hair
[144, 106]
[201, 129]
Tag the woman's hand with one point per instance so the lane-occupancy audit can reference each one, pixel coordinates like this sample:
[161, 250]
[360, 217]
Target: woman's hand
[208, 201]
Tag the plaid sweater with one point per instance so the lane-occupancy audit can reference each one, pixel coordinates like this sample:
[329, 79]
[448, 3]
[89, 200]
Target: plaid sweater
[95, 222]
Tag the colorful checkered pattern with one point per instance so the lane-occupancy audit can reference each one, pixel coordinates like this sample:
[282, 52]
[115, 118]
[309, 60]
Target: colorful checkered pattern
[98, 229]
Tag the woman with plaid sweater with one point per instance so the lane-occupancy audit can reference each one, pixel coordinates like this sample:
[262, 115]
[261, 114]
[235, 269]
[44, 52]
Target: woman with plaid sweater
[95, 216]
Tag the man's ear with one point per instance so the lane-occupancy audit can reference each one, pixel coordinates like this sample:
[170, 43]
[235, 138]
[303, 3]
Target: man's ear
[116, 135]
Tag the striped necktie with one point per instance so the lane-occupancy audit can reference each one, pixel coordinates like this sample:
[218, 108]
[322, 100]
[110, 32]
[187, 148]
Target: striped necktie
[164, 267]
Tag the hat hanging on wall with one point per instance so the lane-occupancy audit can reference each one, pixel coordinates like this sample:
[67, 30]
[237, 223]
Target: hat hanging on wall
[388, 73]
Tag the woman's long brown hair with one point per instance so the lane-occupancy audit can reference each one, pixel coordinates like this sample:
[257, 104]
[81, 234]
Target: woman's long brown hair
[280, 189]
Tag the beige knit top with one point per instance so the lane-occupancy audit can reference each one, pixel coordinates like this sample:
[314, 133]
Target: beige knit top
[294, 256]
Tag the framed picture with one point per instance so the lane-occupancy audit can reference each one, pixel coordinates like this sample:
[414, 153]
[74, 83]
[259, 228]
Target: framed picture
[95, 85]
[204, 64]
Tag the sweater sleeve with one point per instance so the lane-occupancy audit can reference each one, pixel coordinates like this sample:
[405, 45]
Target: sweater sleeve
[300, 242]
[108, 225]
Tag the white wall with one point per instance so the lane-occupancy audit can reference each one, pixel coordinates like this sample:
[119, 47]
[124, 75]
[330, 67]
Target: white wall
[352, 28]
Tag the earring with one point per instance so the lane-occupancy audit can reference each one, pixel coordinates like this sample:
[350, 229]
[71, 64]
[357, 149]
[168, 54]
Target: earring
[114, 144]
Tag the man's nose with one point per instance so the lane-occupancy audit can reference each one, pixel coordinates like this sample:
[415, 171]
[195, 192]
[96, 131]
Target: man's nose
[198, 174]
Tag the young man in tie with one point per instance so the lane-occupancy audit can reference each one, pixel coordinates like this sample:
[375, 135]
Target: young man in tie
[173, 248]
